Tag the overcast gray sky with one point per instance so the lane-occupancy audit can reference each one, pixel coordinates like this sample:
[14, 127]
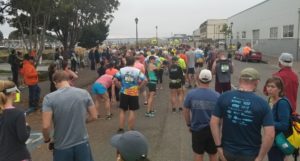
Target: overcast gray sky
[171, 16]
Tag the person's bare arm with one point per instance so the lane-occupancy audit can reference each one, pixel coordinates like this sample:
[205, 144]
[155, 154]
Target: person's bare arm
[267, 142]
[47, 121]
[113, 91]
[92, 114]
[215, 127]
[187, 117]
[213, 70]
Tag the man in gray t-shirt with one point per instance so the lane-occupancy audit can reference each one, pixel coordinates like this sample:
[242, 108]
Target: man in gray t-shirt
[191, 66]
[67, 108]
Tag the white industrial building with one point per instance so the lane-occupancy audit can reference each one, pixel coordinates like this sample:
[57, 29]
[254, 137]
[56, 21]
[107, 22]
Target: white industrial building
[271, 26]
[209, 32]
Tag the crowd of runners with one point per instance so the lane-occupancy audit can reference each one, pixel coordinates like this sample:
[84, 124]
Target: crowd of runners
[124, 74]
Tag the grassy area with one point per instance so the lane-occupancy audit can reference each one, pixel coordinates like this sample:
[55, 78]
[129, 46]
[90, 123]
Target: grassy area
[4, 71]
[4, 52]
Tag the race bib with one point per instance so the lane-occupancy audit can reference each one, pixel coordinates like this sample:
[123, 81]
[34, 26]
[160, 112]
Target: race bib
[224, 68]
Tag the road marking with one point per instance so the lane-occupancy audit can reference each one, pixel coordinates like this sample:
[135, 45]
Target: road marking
[37, 135]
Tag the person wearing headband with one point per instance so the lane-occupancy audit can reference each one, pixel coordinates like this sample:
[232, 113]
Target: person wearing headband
[14, 130]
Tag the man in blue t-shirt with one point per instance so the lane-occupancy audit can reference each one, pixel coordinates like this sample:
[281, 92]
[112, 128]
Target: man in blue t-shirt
[243, 114]
[199, 105]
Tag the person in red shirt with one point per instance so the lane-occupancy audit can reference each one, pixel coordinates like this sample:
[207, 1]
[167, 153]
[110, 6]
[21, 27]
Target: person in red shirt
[289, 78]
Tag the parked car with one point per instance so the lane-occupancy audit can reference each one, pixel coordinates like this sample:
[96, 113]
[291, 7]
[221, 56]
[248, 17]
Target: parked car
[254, 56]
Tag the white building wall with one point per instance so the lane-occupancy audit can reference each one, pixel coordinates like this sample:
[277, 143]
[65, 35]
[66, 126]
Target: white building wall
[270, 13]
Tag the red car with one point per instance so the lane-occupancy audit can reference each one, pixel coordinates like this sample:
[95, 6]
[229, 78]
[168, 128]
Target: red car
[254, 56]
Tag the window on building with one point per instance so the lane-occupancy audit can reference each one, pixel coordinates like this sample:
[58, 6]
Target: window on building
[288, 31]
[243, 34]
[237, 35]
[274, 32]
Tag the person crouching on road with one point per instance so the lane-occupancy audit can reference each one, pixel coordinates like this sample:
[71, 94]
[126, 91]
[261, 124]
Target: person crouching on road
[152, 81]
[176, 82]
[69, 108]
[99, 88]
[200, 103]
[14, 130]
[131, 146]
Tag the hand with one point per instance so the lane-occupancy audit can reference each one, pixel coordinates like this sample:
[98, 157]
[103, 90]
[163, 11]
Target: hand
[258, 159]
[221, 154]
[51, 146]
[113, 100]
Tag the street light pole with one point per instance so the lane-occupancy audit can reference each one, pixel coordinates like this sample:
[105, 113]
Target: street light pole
[156, 35]
[136, 27]
[297, 56]
[231, 35]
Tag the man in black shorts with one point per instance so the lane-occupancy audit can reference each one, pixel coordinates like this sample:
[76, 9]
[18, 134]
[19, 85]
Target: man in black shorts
[199, 104]
[175, 85]
[129, 77]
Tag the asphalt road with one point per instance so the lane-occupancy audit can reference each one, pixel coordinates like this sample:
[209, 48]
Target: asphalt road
[167, 134]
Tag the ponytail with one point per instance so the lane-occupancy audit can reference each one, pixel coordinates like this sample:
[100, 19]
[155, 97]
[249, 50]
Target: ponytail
[4, 84]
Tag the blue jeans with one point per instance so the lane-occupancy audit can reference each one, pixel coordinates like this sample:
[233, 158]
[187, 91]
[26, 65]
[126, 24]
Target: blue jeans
[34, 96]
[81, 152]
[275, 154]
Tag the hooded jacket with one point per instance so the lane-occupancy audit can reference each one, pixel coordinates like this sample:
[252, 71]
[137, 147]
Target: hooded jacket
[29, 73]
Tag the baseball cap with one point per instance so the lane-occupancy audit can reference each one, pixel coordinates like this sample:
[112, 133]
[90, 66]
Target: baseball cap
[249, 74]
[152, 51]
[132, 145]
[205, 75]
[286, 59]
[174, 58]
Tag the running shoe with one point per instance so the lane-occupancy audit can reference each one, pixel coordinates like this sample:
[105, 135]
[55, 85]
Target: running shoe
[153, 111]
[180, 109]
[173, 109]
[108, 117]
[120, 130]
[149, 114]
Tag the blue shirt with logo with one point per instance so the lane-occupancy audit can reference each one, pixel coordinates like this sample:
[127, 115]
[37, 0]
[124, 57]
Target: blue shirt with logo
[243, 114]
[201, 102]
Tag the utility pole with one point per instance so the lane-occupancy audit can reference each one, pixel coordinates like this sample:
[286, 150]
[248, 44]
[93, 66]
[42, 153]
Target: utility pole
[156, 36]
[136, 27]
[297, 55]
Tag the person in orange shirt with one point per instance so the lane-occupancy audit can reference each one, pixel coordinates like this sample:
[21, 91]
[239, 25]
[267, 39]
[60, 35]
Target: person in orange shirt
[247, 51]
[31, 79]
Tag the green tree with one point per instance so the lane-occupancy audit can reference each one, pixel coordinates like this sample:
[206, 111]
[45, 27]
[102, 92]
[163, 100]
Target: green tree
[3, 6]
[1, 36]
[93, 35]
[14, 35]
[72, 16]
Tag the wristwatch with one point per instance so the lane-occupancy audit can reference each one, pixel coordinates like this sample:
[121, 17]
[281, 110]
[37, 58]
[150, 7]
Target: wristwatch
[219, 146]
[47, 141]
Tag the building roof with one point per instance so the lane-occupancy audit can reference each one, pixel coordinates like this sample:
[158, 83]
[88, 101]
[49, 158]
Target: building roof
[249, 8]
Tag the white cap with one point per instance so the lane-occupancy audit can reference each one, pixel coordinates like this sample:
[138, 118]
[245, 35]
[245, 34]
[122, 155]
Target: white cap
[205, 75]
[286, 59]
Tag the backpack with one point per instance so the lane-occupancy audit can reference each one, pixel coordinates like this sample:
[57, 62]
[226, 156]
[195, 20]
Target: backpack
[174, 72]
[289, 142]
[225, 66]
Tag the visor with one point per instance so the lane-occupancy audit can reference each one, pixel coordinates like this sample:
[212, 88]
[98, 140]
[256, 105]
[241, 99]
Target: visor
[13, 89]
